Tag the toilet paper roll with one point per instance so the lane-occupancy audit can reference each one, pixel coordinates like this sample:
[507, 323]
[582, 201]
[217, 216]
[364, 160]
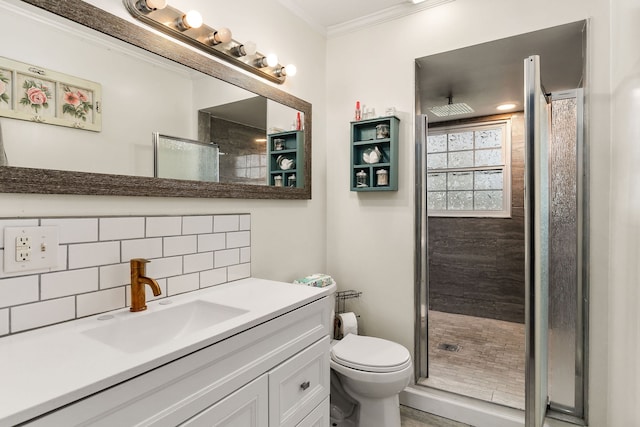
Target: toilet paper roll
[346, 323]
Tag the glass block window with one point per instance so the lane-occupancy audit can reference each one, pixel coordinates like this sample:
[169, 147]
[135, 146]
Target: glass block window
[469, 171]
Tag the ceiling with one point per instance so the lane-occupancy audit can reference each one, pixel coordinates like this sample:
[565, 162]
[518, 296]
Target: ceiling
[489, 74]
[331, 17]
[482, 76]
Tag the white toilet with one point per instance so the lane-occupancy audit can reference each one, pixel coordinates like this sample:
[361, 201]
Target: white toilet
[372, 371]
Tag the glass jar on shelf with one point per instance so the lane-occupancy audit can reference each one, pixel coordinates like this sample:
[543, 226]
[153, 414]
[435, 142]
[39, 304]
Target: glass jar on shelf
[361, 179]
[382, 177]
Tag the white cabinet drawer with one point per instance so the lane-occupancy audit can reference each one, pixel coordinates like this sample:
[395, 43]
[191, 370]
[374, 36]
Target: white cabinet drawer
[298, 385]
[319, 417]
[247, 407]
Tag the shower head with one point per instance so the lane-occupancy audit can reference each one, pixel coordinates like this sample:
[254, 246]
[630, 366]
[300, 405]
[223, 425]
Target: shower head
[451, 109]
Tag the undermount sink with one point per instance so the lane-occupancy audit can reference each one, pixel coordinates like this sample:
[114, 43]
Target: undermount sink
[134, 332]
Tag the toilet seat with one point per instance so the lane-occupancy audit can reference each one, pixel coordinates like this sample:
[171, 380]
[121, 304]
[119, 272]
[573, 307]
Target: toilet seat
[370, 354]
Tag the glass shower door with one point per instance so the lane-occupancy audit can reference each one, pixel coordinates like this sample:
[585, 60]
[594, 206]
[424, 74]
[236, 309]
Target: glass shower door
[537, 124]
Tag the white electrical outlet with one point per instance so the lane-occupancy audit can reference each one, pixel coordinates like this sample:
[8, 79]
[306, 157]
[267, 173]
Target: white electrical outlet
[19, 254]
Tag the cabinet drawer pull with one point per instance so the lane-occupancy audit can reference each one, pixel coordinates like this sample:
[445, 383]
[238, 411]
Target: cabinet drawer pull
[305, 385]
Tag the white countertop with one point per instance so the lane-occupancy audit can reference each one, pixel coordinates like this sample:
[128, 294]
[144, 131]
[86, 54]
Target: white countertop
[46, 368]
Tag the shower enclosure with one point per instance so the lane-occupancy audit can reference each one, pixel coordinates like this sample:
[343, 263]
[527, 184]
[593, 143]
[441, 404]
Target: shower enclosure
[555, 245]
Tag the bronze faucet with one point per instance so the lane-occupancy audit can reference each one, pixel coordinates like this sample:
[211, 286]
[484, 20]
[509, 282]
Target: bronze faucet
[138, 280]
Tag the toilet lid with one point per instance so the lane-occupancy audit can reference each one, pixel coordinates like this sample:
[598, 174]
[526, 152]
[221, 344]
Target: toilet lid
[370, 354]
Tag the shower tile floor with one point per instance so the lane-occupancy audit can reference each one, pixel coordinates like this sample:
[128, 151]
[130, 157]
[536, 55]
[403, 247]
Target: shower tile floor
[488, 363]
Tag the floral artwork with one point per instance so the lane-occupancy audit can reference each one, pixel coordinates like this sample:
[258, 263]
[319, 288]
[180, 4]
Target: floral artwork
[36, 95]
[5, 89]
[77, 102]
[28, 92]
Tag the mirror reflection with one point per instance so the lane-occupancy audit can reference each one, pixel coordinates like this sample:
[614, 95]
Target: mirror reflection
[181, 158]
[143, 94]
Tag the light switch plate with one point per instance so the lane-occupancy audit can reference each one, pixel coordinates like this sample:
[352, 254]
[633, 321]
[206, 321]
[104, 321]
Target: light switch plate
[30, 248]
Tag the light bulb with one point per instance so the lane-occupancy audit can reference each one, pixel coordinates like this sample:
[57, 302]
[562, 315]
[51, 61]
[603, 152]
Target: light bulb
[250, 48]
[156, 4]
[223, 35]
[148, 6]
[291, 70]
[272, 60]
[247, 49]
[191, 19]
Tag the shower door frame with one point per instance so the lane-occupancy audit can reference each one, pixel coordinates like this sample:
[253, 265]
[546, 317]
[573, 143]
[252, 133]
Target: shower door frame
[421, 296]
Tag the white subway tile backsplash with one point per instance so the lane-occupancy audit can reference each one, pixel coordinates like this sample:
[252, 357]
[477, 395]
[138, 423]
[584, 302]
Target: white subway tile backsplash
[245, 222]
[184, 283]
[245, 255]
[62, 258]
[101, 301]
[115, 275]
[180, 245]
[212, 242]
[121, 228]
[164, 226]
[165, 267]
[74, 230]
[18, 290]
[198, 262]
[4, 322]
[93, 272]
[15, 223]
[43, 313]
[55, 285]
[213, 277]
[237, 272]
[238, 239]
[197, 224]
[223, 223]
[141, 248]
[226, 257]
[93, 254]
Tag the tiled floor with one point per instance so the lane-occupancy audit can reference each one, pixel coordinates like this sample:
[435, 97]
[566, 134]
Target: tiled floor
[488, 363]
[415, 418]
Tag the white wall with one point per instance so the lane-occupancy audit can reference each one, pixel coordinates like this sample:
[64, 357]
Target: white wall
[289, 239]
[370, 236]
[624, 295]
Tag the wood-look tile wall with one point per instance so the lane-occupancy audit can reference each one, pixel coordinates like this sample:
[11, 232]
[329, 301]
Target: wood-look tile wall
[476, 265]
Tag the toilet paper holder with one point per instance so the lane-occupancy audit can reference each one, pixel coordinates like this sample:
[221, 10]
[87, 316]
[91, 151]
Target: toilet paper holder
[343, 296]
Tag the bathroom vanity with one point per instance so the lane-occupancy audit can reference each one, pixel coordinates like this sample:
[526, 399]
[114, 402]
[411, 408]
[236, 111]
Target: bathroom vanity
[247, 353]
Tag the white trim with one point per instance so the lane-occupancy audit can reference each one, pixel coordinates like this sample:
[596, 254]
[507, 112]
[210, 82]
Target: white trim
[385, 15]
[461, 408]
[388, 14]
[466, 409]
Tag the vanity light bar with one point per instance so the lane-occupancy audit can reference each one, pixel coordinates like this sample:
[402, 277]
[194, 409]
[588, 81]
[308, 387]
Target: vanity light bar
[218, 43]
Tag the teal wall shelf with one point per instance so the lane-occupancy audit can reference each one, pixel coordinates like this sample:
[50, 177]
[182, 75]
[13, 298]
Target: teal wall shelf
[374, 153]
[282, 148]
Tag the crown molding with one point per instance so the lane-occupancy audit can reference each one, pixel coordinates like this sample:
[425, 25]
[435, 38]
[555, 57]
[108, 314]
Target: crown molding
[384, 15]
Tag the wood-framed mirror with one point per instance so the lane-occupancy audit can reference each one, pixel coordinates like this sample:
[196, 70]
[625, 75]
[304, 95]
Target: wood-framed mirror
[17, 178]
